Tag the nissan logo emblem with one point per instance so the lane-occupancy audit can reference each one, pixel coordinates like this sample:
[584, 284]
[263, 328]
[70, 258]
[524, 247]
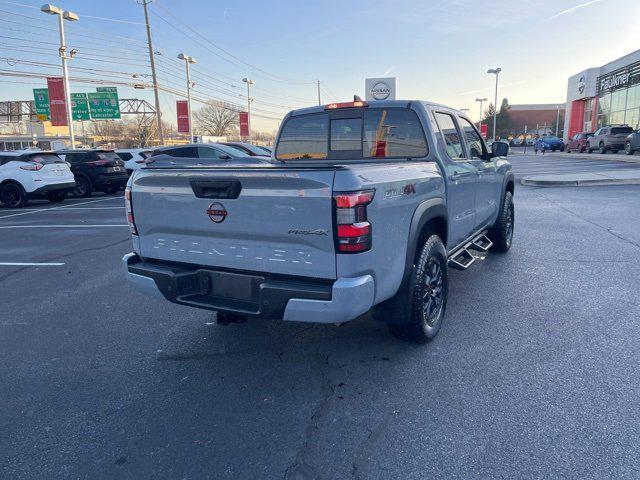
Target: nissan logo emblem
[217, 213]
[380, 91]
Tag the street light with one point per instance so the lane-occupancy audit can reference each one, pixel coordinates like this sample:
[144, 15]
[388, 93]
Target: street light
[187, 60]
[496, 72]
[480, 117]
[72, 17]
[249, 82]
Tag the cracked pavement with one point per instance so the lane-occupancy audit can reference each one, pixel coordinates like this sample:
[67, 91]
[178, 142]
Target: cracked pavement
[535, 373]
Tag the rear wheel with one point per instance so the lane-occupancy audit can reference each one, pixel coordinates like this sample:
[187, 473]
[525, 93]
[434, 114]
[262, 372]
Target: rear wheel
[83, 188]
[56, 197]
[429, 296]
[602, 149]
[627, 148]
[12, 195]
[502, 232]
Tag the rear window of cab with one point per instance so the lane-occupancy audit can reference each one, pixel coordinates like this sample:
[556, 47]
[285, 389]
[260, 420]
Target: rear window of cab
[372, 133]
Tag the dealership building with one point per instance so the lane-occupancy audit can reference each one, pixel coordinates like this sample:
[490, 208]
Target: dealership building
[604, 95]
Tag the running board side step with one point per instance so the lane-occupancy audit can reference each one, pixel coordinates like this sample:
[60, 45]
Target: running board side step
[462, 259]
[481, 243]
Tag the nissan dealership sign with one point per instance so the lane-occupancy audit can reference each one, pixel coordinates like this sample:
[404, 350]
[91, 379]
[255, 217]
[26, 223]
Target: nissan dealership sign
[380, 89]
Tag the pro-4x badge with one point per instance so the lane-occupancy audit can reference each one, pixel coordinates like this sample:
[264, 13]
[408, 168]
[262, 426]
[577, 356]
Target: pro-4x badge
[217, 213]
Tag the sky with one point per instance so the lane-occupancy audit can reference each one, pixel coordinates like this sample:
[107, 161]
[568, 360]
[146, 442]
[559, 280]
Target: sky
[439, 51]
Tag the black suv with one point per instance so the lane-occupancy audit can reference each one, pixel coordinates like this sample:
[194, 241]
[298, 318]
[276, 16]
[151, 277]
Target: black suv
[609, 137]
[95, 170]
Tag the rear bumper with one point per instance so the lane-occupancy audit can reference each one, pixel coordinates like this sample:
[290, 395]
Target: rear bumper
[257, 295]
[54, 187]
[111, 180]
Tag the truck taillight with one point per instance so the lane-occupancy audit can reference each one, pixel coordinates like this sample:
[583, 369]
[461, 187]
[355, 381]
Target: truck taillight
[129, 209]
[353, 232]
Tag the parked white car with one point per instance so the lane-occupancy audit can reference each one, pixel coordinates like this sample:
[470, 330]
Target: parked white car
[27, 174]
[133, 158]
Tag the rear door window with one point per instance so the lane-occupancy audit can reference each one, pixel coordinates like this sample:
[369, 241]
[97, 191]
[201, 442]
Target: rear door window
[125, 156]
[618, 130]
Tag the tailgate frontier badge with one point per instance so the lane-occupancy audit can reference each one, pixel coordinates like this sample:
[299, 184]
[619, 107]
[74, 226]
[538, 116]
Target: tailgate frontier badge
[217, 213]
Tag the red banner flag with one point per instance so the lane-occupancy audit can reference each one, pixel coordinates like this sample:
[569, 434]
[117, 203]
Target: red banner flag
[182, 109]
[57, 101]
[244, 124]
[483, 130]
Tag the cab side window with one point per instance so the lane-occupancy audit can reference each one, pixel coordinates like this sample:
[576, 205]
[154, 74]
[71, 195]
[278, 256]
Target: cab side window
[208, 152]
[475, 145]
[451, 134]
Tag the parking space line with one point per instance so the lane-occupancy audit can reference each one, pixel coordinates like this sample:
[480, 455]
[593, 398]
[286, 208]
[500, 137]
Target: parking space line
[58, 208]
[63, 226]
[27, 264]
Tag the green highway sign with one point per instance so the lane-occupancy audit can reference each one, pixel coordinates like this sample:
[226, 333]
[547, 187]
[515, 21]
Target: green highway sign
[80, 106]
[41, 100]
[103, 104]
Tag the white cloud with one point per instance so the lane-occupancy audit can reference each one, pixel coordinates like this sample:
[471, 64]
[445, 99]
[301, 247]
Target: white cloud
[573, 9]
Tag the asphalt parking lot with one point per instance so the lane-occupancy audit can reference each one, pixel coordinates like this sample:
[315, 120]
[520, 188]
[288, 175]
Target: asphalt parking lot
[535, 373]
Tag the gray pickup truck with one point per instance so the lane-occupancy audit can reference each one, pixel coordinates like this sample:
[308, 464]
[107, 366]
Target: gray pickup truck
[361, 207]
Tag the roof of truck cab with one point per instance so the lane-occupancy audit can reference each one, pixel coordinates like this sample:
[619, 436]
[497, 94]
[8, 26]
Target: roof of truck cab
[376, 103]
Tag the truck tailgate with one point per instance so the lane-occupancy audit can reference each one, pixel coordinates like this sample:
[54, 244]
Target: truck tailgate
[265, 220]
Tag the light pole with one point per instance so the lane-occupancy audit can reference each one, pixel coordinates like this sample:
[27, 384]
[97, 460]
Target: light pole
[249, 82]
[557, 120]
[481, 100]
[187, 60]
[496, 72]
[72, 17]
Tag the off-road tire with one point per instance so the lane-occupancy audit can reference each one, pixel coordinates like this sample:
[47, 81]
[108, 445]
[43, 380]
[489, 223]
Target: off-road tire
[12, 195]
[501, 234]
[110, 190]
[430, 286]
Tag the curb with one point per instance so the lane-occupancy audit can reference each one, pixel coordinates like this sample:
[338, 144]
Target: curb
[579, 183]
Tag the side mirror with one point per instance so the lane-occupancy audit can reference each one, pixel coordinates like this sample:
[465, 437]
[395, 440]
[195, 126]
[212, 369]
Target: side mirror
[224, 157]
[499, 149]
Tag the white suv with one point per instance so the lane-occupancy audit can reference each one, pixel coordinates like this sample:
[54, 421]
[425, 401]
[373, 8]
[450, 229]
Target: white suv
[26, 174]
[133, 158]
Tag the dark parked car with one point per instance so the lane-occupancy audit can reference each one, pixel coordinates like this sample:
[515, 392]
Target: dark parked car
[550, 142]
[93, 170]
[211, 151]
[632, 144]
[249, 148]
[578, 143]
[609, 137]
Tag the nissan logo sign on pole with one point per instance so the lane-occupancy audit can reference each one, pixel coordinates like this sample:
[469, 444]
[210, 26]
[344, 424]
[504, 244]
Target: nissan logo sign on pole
[380, 89]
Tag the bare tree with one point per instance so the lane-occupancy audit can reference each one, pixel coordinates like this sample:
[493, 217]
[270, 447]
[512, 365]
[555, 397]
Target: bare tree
[217, 118]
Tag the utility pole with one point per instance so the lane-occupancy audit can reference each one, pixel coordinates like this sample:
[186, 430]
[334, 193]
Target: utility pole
[557, 120]
[72, 17]
[153, 71]
[187, 60]
[480, 117]
[249, 82]
[318, 83]
[496, 72]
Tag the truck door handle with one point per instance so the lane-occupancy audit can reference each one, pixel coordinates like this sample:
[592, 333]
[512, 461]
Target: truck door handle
[455, 176]
[228, 189]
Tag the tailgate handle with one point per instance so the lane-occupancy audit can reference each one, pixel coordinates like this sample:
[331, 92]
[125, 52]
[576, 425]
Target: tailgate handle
[216, 188]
